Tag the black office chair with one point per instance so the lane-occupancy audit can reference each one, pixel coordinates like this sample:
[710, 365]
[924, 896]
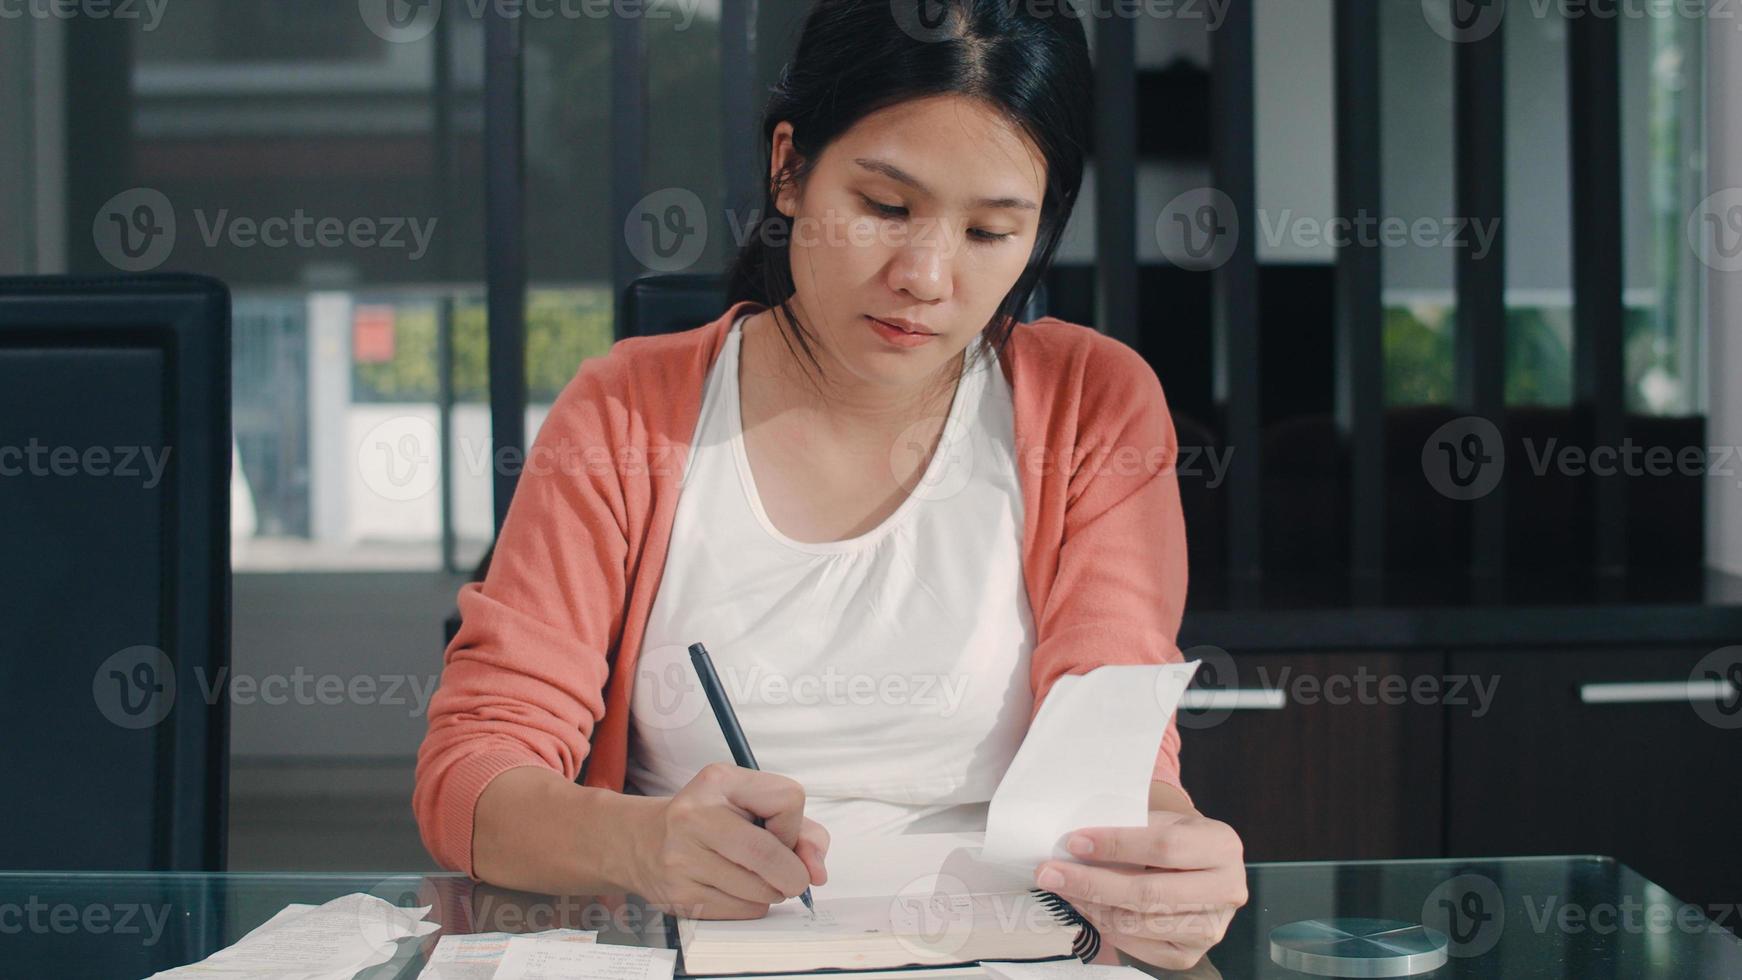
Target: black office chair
[668, 303]
[114, 564]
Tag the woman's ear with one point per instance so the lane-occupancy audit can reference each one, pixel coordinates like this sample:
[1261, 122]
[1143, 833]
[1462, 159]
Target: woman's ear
[783, 160]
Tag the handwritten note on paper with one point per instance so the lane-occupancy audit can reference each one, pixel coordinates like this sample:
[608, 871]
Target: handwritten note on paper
[476, 956]
[1086, 761]
[335, 940]
[533, 958]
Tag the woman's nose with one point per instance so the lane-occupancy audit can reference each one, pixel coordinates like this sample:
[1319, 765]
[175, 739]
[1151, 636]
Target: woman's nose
[924, 263]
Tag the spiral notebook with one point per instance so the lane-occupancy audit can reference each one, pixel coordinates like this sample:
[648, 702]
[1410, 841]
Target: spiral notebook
[875, 933]
[924, 901]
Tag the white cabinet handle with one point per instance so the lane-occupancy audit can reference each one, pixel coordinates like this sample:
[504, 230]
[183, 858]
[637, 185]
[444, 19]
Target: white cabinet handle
[1234, 699]
[1645, 692]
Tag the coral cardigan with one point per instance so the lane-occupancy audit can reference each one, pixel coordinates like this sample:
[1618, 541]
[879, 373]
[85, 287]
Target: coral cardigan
[539, 673]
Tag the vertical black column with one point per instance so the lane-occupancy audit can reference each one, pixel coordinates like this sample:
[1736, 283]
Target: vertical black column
[1599, 377]
[505, 246]
[97, 75]
[1360, 365]
[628, 149]
[740, 149]
[1115, 155]
[1480, 346]
[441, 192]
[1235, 310]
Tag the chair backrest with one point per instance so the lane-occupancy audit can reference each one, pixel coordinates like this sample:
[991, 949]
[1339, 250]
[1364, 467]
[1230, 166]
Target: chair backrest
[115, 564]
[666, 303]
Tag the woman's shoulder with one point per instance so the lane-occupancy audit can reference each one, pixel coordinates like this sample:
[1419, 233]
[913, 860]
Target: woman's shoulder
[651, 378]
[652, 359]
[1064, 357]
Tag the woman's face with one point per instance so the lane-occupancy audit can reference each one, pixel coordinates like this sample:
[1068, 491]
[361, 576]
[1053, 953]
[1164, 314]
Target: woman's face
[926, 211]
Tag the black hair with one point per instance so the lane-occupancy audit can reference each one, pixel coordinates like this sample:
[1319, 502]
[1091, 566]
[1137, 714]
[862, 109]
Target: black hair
[855, 57]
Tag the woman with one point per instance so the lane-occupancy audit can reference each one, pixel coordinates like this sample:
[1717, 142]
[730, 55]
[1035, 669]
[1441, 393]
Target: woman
[894, 514]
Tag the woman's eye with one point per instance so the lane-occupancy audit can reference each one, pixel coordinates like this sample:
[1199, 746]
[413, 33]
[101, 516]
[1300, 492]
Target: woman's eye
[897, 211]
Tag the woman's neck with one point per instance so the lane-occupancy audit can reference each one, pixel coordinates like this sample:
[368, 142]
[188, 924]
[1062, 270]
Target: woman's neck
[851, 411]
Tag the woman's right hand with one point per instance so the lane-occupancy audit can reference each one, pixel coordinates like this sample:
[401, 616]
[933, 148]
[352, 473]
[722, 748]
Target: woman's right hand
[701, 857]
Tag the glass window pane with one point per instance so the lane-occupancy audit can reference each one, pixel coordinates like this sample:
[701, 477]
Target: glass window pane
[1662, 139]
[1538, 217]
[1415, 102]
[305, 158]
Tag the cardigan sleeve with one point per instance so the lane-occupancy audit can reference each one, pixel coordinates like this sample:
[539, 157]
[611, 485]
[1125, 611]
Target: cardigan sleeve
[1119, 591]
[522, 680]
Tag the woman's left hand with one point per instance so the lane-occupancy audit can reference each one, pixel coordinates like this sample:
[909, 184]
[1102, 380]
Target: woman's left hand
[1189, 877]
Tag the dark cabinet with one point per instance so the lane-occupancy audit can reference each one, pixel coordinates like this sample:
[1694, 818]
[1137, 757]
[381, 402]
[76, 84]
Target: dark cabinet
[1632, 753]
[1604, 752]
[1316, 755]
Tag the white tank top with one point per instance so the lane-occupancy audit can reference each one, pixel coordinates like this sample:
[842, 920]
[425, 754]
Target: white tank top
[887, 673]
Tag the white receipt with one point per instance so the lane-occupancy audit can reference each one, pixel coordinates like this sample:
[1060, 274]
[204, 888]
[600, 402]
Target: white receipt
[534, 958]
[476, 956]
[1072, 969]
[315, 942]
[1087, 760]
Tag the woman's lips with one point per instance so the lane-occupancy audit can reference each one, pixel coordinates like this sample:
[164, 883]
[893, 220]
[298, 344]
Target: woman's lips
[897, 336]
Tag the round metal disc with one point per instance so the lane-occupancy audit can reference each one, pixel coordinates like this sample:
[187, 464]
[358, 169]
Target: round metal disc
[1358, 947]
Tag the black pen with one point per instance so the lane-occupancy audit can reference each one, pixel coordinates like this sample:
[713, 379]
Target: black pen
[728, 719]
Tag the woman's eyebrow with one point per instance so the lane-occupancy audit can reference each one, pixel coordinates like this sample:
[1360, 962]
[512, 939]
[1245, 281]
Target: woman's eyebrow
[893, 172]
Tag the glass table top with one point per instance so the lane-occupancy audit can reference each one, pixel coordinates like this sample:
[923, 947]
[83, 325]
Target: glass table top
[1517, 918]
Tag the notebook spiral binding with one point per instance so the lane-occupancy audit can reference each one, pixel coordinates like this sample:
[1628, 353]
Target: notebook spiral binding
[1088, 941]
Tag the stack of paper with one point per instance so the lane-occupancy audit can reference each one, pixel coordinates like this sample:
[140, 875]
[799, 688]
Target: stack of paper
[314, 942]
[476, 956]
[533, 957]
